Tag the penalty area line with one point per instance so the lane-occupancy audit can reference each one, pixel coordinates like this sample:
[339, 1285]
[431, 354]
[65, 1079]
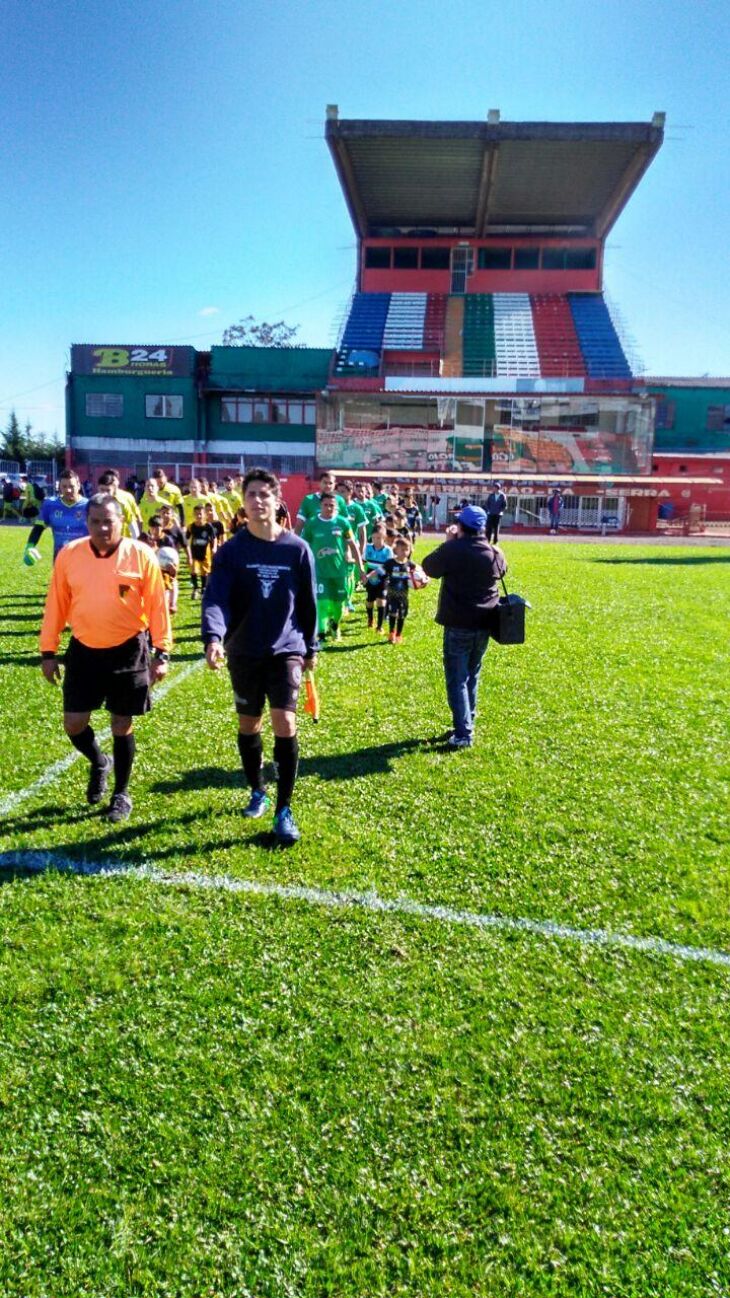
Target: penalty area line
[52, 772]
[34, 862]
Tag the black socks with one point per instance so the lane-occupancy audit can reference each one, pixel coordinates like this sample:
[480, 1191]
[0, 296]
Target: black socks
[124, 750]
[87, 745]
[286, 756]
[251, 750]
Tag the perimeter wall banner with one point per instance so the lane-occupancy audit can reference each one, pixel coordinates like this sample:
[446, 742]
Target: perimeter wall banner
[382, 449]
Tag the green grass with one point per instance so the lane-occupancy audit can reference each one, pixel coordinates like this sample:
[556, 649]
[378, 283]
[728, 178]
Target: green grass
[210, 1095]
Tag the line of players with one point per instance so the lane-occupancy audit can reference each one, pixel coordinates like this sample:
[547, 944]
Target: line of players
[356, 534]
[361, 532]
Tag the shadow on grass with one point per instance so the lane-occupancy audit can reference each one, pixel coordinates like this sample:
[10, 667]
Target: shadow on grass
[20, 660]
[19, 617]
[6, 635]
[689, 560]
[119, 850]
[327, 648]
[332, 766]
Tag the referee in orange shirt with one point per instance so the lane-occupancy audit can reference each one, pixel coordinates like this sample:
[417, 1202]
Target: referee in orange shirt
[109, 590]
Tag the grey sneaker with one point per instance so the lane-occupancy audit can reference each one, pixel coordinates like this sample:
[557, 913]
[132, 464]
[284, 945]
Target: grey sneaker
[120, 808]
[96, 788]
[456, 742]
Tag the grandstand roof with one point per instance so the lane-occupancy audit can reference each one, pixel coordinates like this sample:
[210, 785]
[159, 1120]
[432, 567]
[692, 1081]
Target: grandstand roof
[492, 177]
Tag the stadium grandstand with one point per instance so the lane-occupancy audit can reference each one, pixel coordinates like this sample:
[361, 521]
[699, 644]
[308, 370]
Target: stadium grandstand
[478, 344]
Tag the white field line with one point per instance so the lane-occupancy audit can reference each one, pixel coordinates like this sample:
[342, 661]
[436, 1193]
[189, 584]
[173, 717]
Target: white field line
[37, 862]
[51, 773]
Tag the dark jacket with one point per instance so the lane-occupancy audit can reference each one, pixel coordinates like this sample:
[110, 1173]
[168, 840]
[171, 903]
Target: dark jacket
[496, 502]
[470, 568]
[260, 598]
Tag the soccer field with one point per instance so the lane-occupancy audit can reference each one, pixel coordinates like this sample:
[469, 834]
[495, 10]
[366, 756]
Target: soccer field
[232, 1071]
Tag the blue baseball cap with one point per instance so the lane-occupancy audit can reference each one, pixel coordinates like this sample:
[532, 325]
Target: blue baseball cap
[473, 517]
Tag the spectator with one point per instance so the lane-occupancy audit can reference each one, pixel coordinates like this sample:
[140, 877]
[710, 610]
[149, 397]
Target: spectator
[469, 568]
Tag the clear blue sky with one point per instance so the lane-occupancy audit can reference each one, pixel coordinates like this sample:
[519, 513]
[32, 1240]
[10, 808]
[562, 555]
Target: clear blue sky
[163, 169]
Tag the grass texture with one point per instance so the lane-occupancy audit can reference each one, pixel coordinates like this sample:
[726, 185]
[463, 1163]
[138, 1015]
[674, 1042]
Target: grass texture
[216, 1095]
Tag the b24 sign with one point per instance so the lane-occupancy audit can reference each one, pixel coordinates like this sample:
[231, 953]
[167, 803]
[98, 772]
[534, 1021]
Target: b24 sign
[89, 359]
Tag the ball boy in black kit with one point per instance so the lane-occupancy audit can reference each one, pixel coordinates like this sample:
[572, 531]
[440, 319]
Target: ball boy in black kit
[260, 612]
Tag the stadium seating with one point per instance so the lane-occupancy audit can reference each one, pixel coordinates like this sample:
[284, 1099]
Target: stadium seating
[435, 322]
[514, 336]
[366, 322]
[602, 351]
[404, 324]
[480, 356]
[557, 342]
[481, 335]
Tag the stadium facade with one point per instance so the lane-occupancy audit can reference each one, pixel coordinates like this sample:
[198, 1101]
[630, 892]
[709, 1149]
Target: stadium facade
[478, 343]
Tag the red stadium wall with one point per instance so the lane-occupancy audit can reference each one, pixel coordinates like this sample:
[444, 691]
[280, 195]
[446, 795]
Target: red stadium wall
[395, 280]
[714, 499]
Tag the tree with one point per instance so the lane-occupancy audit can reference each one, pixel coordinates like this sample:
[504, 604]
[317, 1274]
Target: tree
[25, 444]
[14, 442]
[249, 332]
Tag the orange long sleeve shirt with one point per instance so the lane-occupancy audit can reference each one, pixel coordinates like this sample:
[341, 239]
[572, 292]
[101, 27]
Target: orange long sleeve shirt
[106, 600]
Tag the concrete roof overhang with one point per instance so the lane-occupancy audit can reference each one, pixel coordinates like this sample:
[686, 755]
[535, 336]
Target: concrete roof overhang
[482, 178]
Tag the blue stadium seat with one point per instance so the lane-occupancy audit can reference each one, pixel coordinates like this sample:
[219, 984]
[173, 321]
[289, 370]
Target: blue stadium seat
[599, 343]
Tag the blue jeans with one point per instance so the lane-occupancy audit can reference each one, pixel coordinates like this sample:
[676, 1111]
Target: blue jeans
[463, 654]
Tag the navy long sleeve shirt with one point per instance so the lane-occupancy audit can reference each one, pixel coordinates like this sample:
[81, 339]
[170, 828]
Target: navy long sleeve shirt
[260, 598]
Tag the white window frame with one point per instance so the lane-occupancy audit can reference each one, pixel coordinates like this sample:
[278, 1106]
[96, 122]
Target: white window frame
[104, 400]
[169, 405]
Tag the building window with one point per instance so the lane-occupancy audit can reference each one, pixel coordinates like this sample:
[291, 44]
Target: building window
[377, 258]
[277, 410]
[568, 258]
[718, 419]
[158, 407]
[527, 258]
[405, 258]
[553, 258]
[107, 405]
[580, 259]
[495, 258]
[664, 415]
[435, 259]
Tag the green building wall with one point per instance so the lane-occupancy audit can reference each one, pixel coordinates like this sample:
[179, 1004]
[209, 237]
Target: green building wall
[133, 425]
[685, 409]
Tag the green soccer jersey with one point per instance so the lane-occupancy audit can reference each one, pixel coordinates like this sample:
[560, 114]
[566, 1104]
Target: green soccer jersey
[309, 507]
[357, 516]
[328, 538]
[372, 512]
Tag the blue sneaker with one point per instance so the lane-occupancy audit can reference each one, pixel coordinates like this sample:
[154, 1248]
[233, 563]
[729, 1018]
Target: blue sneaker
[259, 804]
[285, 828]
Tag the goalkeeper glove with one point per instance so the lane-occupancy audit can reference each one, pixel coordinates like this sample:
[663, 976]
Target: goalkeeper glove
[31, 556]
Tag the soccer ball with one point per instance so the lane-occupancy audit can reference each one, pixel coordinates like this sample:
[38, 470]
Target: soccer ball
[168, 559]
[418, 579]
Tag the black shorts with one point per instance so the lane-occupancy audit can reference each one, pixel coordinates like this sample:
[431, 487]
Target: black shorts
[375, 590]
[116, 677]
[276, 678]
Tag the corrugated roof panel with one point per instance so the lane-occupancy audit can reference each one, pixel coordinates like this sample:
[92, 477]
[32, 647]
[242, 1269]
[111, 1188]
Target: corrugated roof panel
[270, 369]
